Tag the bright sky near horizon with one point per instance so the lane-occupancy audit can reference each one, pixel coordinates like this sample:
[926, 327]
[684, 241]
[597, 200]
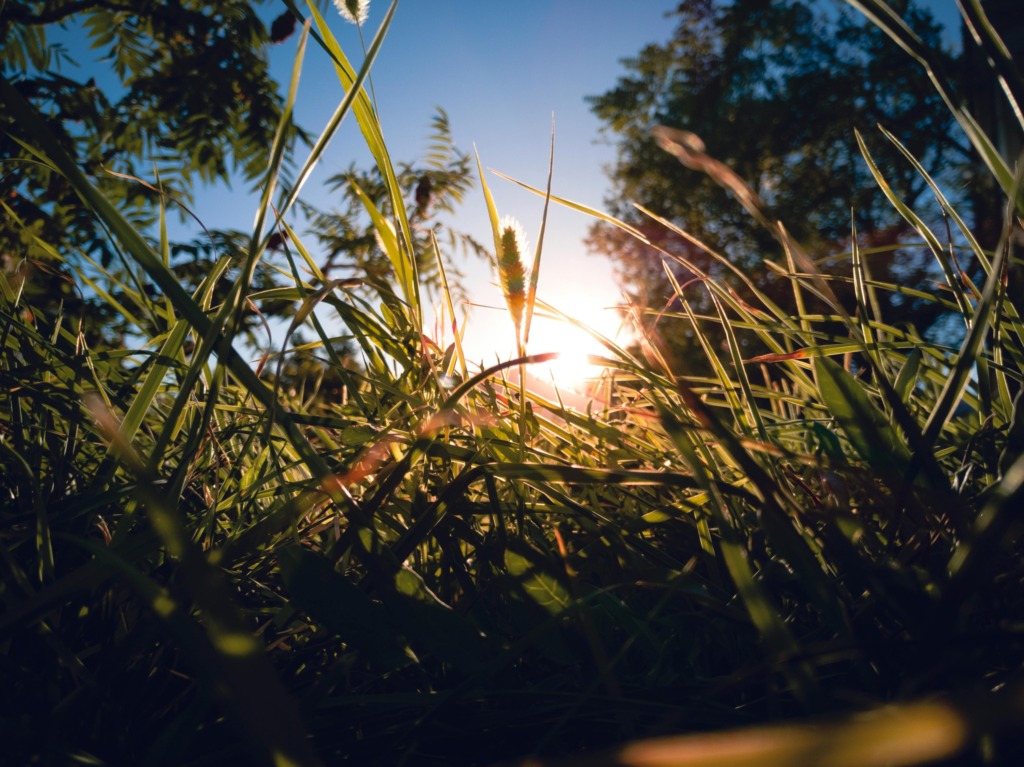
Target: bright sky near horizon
[501, 73]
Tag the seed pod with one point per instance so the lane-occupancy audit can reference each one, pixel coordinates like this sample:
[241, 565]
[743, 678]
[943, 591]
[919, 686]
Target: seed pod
[355, 11]
[282, 27]
[511, 272]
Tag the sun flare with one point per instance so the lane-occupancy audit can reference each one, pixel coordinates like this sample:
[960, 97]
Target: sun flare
[575, 365]
[570, 327]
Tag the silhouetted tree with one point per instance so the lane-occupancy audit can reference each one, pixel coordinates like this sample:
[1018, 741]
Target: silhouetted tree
[775, 89]
[184, 90]
[432, 188]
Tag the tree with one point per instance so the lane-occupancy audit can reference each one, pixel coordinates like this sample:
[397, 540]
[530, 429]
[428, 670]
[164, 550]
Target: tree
[775, 89]
[186, 95]
[187, 91]
[431, 188]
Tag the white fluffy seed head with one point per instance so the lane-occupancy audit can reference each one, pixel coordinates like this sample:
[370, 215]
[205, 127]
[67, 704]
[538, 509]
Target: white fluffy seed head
[355, 11]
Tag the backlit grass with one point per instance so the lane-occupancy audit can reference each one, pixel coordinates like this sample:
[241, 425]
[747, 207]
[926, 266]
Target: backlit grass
[207, 563]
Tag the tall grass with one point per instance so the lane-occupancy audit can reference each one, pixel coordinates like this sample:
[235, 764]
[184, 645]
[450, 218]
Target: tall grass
[201, 566]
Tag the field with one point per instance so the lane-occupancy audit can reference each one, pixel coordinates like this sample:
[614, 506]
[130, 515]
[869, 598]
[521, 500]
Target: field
[811, 554]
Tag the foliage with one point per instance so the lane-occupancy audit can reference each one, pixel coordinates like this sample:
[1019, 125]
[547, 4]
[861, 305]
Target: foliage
[432, 189]
[188, 92]
[438, 565]
[775, 89]
[184, 96]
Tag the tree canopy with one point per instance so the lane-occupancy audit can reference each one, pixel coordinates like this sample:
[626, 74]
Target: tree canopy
[183, 96]
[775, 90]
[185, 89]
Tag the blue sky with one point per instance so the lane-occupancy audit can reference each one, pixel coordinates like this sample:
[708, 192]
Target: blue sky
[500, 70]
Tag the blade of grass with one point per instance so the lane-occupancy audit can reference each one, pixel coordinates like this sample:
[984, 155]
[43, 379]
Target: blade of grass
[457, 335]
[952, 278]
[997, 54]
[250, 684]
[886, 19]
[978, 328]
[373, 134]
[531, 295]
[867, 428]
[51, 152]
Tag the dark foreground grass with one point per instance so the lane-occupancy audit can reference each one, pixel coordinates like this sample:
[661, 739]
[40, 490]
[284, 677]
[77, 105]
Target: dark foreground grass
[203, 565]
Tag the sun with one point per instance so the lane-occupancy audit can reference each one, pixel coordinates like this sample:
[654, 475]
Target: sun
[575, 365]
[572, 325]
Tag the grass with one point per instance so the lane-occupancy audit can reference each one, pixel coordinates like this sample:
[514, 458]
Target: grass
[202, 565]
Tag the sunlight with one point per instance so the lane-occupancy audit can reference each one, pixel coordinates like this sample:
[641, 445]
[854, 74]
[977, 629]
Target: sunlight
[574, 369]
[489, 337]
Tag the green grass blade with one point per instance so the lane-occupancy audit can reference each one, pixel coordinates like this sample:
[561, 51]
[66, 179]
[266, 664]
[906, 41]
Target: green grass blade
[752, 411]
[399, 261]
[998, 55]
[456, 333]
[531, 295]
[867, 427]
[277, 156]
[959, 376]
[154, 382]
[492, 211]
[50, 151]
[249, 682]
[586, 209]
[538, 582]
[886, 19]
[952, 278]
[373, 134]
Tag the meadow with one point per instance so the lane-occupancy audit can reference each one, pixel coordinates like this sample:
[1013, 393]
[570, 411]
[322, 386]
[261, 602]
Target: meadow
[807, 557]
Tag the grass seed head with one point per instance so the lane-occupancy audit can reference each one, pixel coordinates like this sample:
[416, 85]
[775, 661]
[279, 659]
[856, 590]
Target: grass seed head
[511, 272]
[355, 11]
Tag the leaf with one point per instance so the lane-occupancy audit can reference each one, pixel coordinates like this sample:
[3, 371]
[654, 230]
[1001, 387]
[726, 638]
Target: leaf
[541, 587]
[907, 377]
[369, 125]
[867, 428]
[154, 380]
[443, 632]
[799, 354]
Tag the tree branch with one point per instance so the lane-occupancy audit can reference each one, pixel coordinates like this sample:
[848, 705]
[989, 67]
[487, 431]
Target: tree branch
[18, 13]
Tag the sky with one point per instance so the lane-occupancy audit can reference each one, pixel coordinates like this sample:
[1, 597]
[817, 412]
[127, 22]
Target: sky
[500, 71]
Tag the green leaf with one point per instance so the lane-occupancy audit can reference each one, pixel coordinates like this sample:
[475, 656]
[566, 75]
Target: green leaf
[541, 587]
[907, 377]
[153, 384]
[427, 620]
[369, 125]
[867, 428]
